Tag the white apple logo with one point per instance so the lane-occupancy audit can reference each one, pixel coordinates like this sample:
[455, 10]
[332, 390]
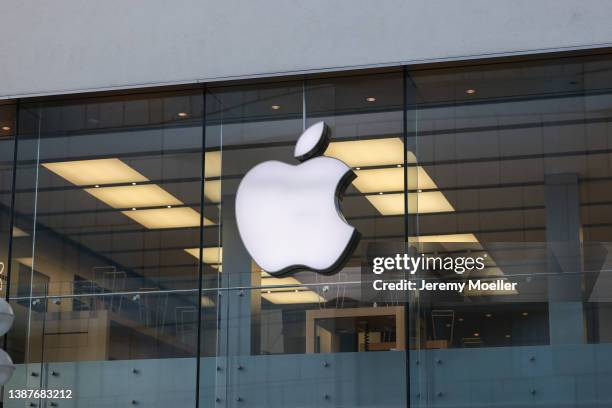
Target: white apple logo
[289, 216]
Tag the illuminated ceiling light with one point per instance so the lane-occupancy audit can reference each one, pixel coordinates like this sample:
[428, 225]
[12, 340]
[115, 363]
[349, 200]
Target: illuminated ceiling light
[271, 281]
[285, 291]
[286, 298]
[470, 91]
[370, 152]
[399, 165]
[275, 107]
[476, 334]
[212, 164]
[508, 336]
[421, 203]
[183, 114]
[211, 255]
[525, 314]
[183, 217]
[97, 171]
[371, 99]
[212, 190]
[18, 233]
[488, 315]
[207, 302]
[144, 195]
[28, 261]
[392, 179]
[114, 171]
[6, 128]
[428, 202]
[388, 152]
[467, 238]
[381, 193]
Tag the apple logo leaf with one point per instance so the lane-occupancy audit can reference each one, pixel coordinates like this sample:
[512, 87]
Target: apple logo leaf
[289, 216]
[313, 142]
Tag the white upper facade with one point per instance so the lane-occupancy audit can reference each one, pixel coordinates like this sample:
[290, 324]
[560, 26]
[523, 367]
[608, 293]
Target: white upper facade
[70, 46]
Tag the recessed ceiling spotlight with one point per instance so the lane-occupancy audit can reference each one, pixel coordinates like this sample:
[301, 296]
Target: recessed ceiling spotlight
[488, 315]
[371, 99]
[357, 168]
[399, 165]
[275, 107]
[476, 334]
[183, 114]
[470, 91]
[169, 206]
[381, 193]
[97, 186]
[6, 128]
[133, 208]
[133, 183]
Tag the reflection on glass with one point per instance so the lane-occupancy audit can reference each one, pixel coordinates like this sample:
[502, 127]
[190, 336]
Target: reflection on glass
[114, 229]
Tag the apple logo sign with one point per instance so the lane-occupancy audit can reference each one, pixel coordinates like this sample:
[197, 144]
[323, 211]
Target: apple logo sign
[289, 216]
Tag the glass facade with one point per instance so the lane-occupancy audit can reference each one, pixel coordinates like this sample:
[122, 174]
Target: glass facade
[121, 256]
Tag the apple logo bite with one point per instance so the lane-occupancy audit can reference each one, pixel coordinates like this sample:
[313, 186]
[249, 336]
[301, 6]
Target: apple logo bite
[289, 216]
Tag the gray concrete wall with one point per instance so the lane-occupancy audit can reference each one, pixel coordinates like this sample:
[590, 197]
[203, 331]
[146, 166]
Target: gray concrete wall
[55, 47]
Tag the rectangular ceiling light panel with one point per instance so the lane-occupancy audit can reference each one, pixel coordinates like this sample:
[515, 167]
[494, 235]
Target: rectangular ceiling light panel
[182, 217]
[18, 233]
[421, 203]
[392, 179]
[272, 281]
[212, 190]
[211, 255]
[368, 152]
[288, 298]
[455, 238]
[212, 164]
[139, 196]
[98, 171]
[102, 172]
[389, 152]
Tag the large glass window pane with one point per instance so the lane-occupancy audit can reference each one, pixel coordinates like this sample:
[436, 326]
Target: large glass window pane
[303, 319]
[521, 152]
[108, 198]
